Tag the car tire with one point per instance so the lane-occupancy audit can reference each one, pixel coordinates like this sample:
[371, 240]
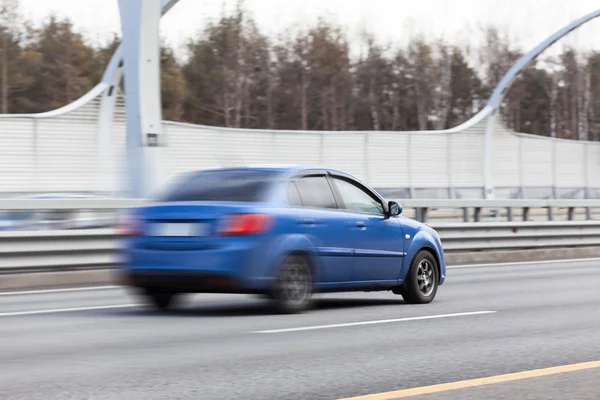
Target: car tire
[293, 288]
[422, 280]
[162, 300]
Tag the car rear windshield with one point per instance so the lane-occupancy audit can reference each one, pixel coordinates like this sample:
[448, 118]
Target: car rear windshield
[220, 185]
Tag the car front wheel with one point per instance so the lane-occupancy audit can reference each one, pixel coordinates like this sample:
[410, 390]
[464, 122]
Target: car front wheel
[422, 280]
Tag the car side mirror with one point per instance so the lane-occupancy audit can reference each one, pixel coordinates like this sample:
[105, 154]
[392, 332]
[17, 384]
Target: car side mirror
[395, 208]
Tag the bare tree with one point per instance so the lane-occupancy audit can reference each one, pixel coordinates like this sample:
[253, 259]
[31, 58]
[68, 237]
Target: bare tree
[9, 18]
[442, 91]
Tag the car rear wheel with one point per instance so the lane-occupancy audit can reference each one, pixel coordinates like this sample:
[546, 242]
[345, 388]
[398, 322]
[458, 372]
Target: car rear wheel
[422, 280]
[293, 288]
[161, 300]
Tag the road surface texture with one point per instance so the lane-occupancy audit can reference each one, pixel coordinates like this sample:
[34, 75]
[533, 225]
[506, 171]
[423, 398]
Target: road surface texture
[485, 322]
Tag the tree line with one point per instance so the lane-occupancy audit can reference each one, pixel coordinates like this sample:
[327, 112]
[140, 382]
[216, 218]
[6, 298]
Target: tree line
[234, 75]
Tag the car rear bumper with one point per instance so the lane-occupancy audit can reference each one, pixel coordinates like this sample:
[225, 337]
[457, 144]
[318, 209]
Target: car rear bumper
[223, 261]
[185, 282]
[236, 268]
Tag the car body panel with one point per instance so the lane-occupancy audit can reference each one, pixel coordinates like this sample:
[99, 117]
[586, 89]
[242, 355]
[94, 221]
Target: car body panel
[419, 236]
[378, 247]
[328, 233]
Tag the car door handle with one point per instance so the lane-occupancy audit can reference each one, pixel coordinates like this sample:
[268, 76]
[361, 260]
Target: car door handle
[361, 225]
[308, 222]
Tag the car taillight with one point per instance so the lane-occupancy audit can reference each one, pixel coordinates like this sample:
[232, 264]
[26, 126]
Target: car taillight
[129, 225]
[245, 224]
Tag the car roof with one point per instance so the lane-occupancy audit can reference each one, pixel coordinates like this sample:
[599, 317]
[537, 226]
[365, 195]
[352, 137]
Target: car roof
[277, 168]
[287, 170]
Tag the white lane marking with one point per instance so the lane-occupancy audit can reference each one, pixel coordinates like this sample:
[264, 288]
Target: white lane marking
[524, 263]
[66, 310]
[65, 290]
[382, 321]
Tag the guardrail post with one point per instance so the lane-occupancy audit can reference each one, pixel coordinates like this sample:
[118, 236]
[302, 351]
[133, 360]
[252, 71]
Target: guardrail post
[366, 156]
[477, 214]
[525, 213]
[509, 215]
[550, 216]
[588, 213]
[421, 214]
[322, 148]
[570, 213]
[35, 148]
[465, 214]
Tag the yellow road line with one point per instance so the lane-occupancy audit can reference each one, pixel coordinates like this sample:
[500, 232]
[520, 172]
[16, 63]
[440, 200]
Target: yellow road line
[445, 387]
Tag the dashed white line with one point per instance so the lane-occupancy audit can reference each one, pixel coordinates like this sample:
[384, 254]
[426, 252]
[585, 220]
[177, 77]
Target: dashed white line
[64, 290]
[524, 263]
[66, 310]
[382, 321]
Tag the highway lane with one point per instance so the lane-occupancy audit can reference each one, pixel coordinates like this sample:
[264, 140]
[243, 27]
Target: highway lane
[545, 315]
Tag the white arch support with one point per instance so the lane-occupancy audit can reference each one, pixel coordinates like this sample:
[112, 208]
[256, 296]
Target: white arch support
[110, 88]
[502, 88]
[141, 44]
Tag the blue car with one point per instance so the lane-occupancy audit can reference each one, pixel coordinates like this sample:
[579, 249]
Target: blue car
[280, 232]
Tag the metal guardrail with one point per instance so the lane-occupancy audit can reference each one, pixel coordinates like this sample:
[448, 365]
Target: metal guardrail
[473, 209]
[27, 251]
[422, 209]
[89, 204]
[53, 250]
[24, 251]
[118, 203]
[476, 237]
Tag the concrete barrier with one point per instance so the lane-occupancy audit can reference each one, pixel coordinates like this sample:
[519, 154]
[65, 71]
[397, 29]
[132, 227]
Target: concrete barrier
[57, 279]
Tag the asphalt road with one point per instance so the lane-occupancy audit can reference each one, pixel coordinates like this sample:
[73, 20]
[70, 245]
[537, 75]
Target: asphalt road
[486, 321]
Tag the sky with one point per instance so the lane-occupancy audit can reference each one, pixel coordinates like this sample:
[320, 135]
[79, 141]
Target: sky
[391, 21]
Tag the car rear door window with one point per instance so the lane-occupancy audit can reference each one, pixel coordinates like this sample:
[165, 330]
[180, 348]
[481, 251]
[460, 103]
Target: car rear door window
[356, 198]
[221, 185]
[293, 195]
[315, 192]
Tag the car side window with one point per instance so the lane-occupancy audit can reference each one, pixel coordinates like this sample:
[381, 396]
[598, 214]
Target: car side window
[357, 199]
[293, 195]
[315, 192]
